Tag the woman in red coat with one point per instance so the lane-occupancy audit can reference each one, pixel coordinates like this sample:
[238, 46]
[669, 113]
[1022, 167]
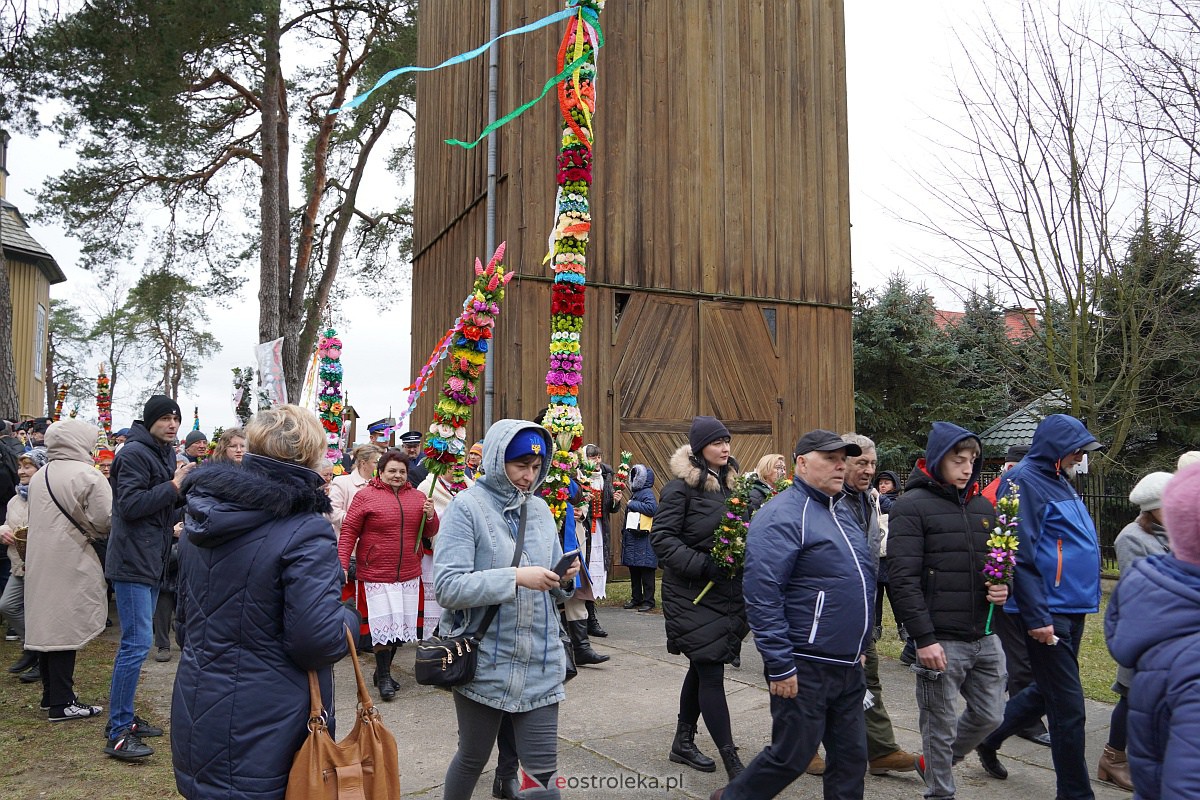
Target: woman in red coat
[382, 522]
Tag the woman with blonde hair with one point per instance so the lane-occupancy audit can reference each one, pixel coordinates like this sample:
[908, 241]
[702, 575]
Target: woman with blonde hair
[771, 469]
[259, 606]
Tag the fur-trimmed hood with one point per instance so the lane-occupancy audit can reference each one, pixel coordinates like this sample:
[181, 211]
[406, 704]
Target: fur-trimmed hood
[688, 469]
[225, 501]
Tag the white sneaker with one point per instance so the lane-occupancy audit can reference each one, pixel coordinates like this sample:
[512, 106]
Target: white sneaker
[75, 711]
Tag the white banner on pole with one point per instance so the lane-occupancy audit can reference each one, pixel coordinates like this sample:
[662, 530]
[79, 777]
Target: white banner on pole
[270, 371]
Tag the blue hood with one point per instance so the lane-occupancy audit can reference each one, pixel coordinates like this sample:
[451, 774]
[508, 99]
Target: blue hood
[1160, 588]
[1056, 436]
[943, 436]
[640, 477]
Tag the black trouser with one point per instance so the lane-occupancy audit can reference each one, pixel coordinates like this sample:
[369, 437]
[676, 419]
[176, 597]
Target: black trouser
[164, 617]
[828, 708]
[641, 584]
[58, 678]
[1016, 653]
[506, 745]
[703, 692]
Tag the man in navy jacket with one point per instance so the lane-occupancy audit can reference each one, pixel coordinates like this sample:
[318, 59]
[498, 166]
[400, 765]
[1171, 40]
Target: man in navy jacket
[809, 584]
[1057, 583]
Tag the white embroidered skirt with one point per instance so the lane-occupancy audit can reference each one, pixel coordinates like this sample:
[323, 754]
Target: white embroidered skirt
[392, 610]
[433, 612]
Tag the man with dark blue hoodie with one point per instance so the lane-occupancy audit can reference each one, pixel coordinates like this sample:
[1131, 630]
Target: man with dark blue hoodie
[937, 549]
[1057, 583]
[809, 582]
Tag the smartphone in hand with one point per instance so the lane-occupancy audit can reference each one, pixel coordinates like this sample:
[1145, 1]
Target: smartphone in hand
[565, 563]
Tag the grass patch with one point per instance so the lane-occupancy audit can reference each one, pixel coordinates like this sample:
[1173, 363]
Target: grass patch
[617, 593]
[65, 760]
[1097, 670]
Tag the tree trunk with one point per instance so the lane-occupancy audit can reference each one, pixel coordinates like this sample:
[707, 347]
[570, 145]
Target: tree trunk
[269, 205]
[10, 404]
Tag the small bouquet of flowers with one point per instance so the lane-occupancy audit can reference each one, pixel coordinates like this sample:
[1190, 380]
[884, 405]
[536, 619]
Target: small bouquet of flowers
[729, 540]
[621, 481]
[1001, 560]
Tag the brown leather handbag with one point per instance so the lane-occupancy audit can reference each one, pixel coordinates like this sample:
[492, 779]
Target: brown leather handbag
[363, 766]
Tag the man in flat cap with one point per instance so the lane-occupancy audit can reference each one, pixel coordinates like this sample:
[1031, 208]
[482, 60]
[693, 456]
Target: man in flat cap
[809, 588]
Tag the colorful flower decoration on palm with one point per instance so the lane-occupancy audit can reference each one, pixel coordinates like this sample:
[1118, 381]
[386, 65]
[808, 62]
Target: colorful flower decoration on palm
[729, 539]
[212, 444]
[468, 342]
[60, 398]
[621, 480]
[569, 240]
[330, 405]
[1001, 560]
[104, 405]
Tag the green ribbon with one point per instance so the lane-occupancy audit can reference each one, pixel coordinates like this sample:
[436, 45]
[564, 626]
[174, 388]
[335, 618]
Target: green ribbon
[559, 78]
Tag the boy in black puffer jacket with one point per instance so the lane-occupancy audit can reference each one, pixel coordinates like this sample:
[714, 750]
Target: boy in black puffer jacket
[937, 547]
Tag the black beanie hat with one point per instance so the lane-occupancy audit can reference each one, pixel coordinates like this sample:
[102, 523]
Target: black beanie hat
[159, 405]
[704, 431]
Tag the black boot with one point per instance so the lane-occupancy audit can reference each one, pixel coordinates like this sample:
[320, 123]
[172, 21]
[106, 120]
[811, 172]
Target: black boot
[593, 623]
[683, 749]
[733, 764]
[506, 788]
[34, 675]
[383, 675]
[28, 659]
[584, 654]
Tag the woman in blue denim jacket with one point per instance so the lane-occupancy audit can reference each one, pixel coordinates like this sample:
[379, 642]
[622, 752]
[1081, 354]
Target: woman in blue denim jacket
[521, 661]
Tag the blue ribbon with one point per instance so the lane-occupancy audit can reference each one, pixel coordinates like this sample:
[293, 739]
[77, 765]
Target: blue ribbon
[557, 16]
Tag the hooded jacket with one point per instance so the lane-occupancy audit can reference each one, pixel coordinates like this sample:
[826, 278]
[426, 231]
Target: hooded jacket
[258, 605]
[689, 511]
[1058, 560]
[810, 581]
[144, 510]
[937, 548]
[521, 661]
[383, 523]
[1164, 695]
[636, 549]
[65, 602]
[886, 499]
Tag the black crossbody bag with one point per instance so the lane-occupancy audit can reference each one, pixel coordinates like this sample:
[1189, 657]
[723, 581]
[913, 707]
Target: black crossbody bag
[450, 660]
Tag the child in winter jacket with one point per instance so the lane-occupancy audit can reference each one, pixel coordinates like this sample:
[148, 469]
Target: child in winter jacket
[636, 552]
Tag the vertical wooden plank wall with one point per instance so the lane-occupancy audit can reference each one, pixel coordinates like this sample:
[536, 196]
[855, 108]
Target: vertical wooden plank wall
[720, 188]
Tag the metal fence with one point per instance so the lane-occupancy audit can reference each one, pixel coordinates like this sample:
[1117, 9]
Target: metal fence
[1107, 500]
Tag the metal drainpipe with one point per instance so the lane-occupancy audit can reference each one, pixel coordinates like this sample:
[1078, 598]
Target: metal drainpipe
[489, 375]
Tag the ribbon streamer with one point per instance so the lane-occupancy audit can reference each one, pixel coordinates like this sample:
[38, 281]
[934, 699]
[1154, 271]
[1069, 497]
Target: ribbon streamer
[461, 58]
[510, 116]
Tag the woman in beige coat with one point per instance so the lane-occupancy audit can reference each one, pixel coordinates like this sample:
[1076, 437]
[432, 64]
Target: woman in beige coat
[64, 582]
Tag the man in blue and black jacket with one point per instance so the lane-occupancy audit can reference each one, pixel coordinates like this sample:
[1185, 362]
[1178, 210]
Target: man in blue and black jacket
[809, 584]
[1057, 583]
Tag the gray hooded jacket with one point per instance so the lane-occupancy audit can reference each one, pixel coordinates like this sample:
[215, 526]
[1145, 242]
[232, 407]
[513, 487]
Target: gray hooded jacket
[521, 661]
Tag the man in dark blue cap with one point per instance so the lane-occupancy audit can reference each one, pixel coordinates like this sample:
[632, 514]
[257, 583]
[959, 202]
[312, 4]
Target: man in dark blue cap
[410, 441]
[809, 584]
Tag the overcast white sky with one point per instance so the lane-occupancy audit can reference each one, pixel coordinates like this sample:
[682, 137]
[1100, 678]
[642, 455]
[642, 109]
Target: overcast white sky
[897, 75]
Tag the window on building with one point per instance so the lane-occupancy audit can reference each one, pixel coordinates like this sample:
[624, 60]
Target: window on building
[39, 345]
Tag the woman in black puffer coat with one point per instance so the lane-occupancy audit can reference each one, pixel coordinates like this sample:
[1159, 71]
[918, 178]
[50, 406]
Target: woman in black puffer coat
[709, 633]
[259, 605]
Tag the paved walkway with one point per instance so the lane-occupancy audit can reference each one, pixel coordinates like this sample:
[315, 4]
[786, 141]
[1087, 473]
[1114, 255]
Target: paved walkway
[618, 721]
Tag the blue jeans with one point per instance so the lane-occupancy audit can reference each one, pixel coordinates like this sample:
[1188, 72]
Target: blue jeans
[135, 605]
[1058, 693]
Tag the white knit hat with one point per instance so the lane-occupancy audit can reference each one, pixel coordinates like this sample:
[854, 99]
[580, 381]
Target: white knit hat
[1188, 458]
[1147, 493]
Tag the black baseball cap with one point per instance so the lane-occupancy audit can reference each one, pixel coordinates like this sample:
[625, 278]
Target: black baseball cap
[825, 441]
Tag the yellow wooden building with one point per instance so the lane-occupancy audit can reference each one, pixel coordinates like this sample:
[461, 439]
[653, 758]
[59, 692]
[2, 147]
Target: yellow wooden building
[31, 272]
